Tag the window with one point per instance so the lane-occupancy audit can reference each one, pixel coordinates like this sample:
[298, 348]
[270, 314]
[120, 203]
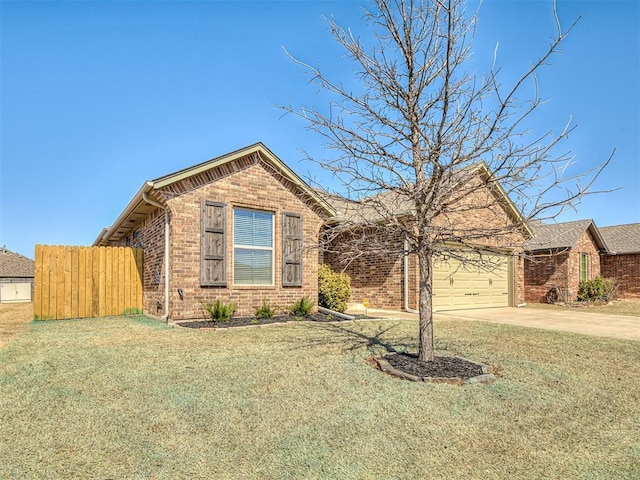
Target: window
[584, 266]
[252, 247]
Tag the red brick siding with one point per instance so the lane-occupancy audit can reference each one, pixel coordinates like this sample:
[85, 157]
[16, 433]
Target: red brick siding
[626, 270]
[379, 277]
[376, 276]
[585, 245]
[561, 269]
[541, 272]
[244, 183]
[518, 280]
[250, 187]
[149, 235]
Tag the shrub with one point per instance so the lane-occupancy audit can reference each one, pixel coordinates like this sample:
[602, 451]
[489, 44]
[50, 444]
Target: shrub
[265, 311]
[598, 289]
[302, 307]
[334, 289]
[219, 310]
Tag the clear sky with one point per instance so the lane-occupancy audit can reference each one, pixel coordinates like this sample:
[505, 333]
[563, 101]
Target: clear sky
[99, 96]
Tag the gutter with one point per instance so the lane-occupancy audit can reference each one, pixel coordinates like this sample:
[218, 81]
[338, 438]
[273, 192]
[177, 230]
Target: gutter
[406, 279]
[165, 317]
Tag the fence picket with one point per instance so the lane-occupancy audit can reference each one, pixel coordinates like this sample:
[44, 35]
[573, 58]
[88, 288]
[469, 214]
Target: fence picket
[72, 282]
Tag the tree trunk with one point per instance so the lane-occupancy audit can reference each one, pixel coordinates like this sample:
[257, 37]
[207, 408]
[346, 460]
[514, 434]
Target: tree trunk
[426, 351]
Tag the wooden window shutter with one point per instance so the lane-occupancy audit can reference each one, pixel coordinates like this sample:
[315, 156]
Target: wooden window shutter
[291, 250]
[213, 244]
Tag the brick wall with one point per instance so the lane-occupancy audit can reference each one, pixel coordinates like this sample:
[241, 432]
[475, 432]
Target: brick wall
[585, 245]
[245, 184]
[379, 276]
[561, 269]
[541, 272]
[149, 235]
[626, 270]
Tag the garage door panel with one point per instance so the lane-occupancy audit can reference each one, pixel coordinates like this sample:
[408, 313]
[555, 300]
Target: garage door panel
[457, 286]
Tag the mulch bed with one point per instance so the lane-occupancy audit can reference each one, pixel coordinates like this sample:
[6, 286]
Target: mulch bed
[248, 321]
[441, 367]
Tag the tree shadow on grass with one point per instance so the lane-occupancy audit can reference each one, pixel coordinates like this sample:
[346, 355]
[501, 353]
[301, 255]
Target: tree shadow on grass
[351, 339]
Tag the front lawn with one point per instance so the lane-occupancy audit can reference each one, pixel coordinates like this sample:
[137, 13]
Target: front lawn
[14, 321]
[132, 398]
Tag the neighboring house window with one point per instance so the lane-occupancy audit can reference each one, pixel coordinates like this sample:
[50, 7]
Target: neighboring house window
[291, 250]
[584, 266]
[252, 247]
[213, 244]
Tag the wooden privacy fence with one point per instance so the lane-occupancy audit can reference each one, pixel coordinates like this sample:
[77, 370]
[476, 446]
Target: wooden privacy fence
[78, 282]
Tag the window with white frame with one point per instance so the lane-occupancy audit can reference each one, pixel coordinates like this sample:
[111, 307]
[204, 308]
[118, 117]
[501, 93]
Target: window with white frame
[252, 247]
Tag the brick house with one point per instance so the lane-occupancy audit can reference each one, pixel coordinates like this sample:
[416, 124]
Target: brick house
[245, 228]
[389, 278]
[561, 255]
[240, 227]
[622, 260]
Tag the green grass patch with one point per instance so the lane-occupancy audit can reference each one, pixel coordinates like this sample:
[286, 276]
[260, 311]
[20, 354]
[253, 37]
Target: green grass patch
[130, 398]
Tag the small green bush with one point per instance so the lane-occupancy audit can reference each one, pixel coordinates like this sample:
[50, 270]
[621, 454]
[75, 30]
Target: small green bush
[597, 290]
[302, 307]
[334, 289]
[265, 311]
[219, 310]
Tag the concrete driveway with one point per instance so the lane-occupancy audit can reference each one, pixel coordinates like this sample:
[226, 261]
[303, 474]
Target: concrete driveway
[601, 325]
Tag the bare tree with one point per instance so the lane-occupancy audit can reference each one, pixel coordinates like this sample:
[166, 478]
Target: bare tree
[424, 143]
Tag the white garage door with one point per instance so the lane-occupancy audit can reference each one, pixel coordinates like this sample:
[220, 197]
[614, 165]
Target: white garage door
[15, 292]
[457, 286]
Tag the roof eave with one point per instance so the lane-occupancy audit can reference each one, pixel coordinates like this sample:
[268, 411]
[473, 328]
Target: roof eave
[161, 182]
[243, 152]
[515, 212]
[107, 232]
[595, 233]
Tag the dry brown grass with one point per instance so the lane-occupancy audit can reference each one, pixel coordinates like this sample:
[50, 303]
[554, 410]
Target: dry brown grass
[14, 321]
[131, 398]
[616, 307]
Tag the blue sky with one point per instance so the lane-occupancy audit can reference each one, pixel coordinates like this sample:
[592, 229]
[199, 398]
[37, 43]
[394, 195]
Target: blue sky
[99, 96]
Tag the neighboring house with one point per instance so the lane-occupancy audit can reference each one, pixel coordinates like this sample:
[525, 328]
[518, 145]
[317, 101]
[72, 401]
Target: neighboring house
[242, 228]
[16, 277]
[391, 280]
[622, 261]
[245, 228]
[561, 255]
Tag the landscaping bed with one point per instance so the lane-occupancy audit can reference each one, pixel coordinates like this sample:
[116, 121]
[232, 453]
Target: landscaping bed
[442, 367]
[248, 321]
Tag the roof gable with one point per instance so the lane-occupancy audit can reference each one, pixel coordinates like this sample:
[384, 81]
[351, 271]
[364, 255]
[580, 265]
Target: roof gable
[562, 236]
[201, 174]
[622, 239]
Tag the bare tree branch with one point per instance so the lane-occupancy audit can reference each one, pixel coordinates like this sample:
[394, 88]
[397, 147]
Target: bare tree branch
[425, 144]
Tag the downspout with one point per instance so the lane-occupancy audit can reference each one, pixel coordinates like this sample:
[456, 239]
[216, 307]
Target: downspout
[165, 317]
[406, 279]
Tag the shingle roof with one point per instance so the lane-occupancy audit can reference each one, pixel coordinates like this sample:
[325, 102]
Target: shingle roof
[15, 265]
[369, 209]
[393, 204]
[557, 236]
[622, 238]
